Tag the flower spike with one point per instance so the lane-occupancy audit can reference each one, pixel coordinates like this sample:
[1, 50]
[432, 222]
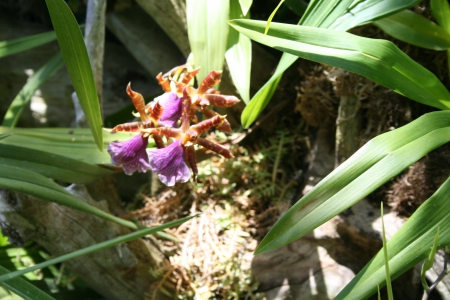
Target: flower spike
[168, 120]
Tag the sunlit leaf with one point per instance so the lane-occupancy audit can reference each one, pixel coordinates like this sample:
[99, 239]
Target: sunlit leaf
[378, 60]
[239, 55]
[76, 143]
[77, 62]
[414, 29]
[23, 288]
[374, 164]
[339, 15]
[115, 241]
[35, 184]
[410, 245]
[363, 12]
[245, 6]
[51, 165]
[208, 33]
[25, 94]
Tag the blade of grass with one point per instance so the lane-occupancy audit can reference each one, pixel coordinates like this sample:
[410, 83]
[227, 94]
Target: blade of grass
[34, 184]
[208, 33]
[110, 243]
[386, 257]
[23, 98]
[77, 62]
[414, 29]
[269, 20]
[378, 60]
[429, 261]
[25, 43]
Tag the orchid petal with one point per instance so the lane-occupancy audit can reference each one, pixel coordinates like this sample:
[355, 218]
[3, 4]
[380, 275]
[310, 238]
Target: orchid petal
[169, 164]
[130, 154]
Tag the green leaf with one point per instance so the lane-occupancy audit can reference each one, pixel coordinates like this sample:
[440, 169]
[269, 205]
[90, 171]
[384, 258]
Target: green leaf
[77, 62]
[441, 12]
[26, 43]
[414, 29]
[429, 261]
[76, 143]
[374, 164]
[51, 165]
[4, 135]
[363, 12]
[333, 14]
[269, 20]
[23, 288]
[378, 60]
[34, 184]
[386, 257]
[410, 245]
[239, 55]
[208, 33]
[110, 243]
[25, 94]
[261, 99]
[245, 6]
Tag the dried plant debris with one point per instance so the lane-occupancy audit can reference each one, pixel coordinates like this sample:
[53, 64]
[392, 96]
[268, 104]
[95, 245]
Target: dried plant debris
[419, 181]
[316, 100]
[239, 201]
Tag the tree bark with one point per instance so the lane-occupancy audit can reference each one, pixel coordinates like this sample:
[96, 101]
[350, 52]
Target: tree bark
[127, 271]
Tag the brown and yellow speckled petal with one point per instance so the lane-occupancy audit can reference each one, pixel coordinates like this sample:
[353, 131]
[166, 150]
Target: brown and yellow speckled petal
[189, 153]
[214, 147]
[163, 82]
[211, 80]
[138, 102]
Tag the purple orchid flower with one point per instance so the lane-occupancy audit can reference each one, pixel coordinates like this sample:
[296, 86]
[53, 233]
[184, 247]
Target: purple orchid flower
[172, 109]
[169, 164]
[130, 154]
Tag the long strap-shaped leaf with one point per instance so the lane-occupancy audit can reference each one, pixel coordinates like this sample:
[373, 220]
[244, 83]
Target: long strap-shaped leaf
[77, 62]
[367, 11]
[76, 143]
[239, 54]
[410, 245]
[51, 165]
[378, 60]
[32, 183]
[375, 163]
[25, 94]
[414, 29]
[322, 13]
[208, 33]
[22, 44]
[115, 241]
[23, 288]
